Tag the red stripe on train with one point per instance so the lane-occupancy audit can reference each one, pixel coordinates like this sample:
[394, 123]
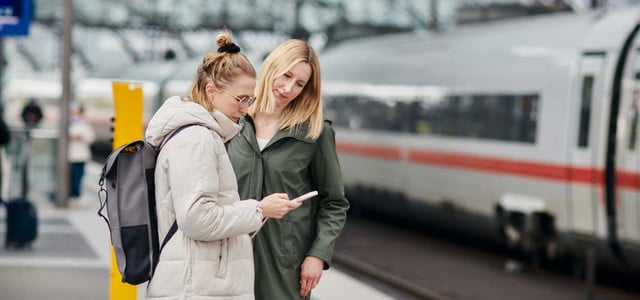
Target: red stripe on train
[628, 179]
[367, 150]
[491, 164]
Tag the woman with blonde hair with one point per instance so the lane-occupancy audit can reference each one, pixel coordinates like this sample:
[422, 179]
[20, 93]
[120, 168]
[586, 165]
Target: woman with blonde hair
[285, 145]
[210, 255]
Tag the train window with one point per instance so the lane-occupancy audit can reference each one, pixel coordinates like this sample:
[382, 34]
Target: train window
[585, 110]
[633, 119]
[498, 117]
[344, 111]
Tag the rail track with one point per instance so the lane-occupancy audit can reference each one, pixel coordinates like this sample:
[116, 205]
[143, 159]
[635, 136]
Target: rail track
[412, 263]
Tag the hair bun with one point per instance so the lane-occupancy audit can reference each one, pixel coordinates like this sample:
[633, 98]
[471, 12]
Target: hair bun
[229, 48]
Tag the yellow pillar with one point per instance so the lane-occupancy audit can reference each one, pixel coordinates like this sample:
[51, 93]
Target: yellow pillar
[127, 127]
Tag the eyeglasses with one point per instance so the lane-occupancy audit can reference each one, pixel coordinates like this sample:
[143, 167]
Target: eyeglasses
[245, 101]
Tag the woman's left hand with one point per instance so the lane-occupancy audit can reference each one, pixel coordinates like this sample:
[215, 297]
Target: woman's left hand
[310, 273]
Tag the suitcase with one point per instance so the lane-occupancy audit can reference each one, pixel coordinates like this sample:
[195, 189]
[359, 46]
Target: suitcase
[21, 214]
[22, 223]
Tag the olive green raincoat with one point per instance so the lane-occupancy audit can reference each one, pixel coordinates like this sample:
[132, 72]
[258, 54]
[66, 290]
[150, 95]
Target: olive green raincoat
[293, 164]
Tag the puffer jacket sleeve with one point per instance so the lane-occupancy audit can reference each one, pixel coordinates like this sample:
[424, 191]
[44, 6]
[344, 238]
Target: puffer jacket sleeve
[333, 205]
[193, 174]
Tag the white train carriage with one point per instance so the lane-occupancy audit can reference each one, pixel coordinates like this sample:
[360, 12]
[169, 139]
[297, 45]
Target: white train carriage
[522, 130]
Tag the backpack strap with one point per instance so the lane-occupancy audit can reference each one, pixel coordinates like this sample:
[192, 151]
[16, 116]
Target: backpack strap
[164, 142]
[156, 258]
[174, 226]
[172, 231]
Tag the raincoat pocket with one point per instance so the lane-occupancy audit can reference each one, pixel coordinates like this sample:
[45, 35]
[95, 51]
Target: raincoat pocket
[289, 253]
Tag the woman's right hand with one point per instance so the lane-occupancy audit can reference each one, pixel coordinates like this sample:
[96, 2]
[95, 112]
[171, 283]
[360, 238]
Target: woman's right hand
[277, 205]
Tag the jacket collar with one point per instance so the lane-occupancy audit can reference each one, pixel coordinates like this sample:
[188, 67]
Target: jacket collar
[176, 112]
[249, 133]
[227, 128]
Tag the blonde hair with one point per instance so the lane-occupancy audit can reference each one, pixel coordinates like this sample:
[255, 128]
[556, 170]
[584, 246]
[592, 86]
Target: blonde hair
[220, 68]
[308, 105]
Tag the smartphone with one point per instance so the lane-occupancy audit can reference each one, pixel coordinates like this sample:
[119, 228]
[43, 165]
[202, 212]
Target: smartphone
[306, 196]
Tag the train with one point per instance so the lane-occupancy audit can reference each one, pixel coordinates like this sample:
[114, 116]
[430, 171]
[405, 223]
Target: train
[521, 132]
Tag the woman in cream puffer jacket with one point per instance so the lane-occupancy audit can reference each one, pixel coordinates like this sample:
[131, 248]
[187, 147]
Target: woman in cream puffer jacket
[210, 256]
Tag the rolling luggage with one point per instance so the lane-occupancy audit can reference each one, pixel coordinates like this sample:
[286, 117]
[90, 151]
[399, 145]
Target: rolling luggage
[22, 223]
[22, 219]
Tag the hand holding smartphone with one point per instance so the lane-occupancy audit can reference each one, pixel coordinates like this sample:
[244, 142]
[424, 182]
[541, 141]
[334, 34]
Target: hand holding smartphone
[299, 199]
[306, 196]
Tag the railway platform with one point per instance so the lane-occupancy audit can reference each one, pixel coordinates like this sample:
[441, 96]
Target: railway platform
[70, 259]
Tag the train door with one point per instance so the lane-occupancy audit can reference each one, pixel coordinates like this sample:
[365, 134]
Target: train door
[631, 214]
[586, 156]
[628, 162]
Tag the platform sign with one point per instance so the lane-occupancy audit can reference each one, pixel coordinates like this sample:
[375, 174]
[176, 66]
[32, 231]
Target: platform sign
[15, 17]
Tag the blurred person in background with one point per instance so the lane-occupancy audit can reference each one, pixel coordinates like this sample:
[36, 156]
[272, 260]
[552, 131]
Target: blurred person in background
[81, 135]
[285, 145]
[5, 138]
[31, 115]
[210, 256]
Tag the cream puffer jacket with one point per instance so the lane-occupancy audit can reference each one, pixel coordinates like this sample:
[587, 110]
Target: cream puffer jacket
[210, 256]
